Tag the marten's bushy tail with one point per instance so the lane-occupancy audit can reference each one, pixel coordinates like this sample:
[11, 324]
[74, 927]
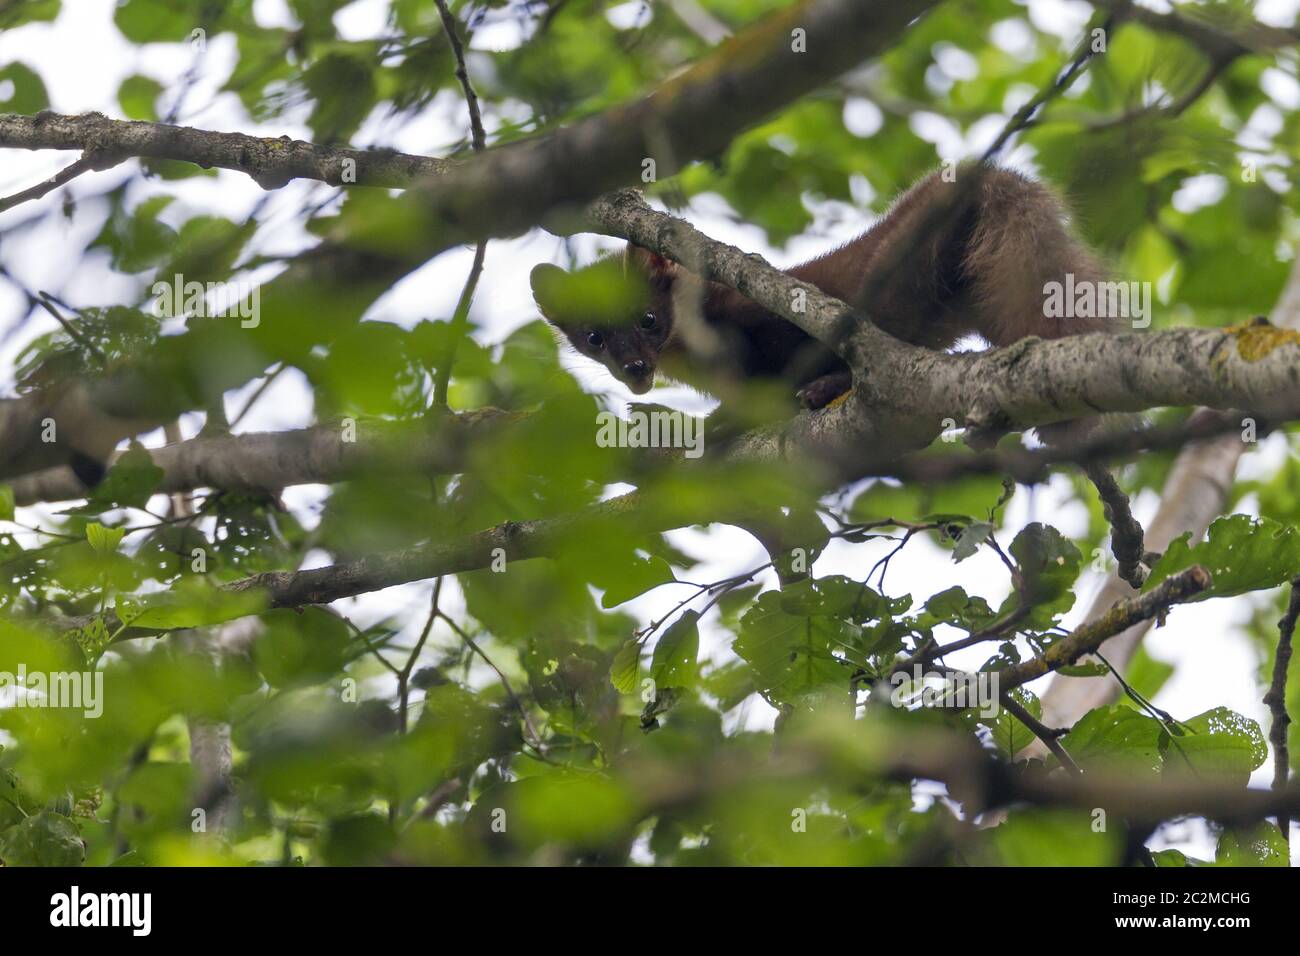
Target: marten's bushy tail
[1019, 243]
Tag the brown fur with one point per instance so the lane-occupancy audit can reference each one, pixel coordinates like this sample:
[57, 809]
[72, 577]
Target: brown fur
[947, 260]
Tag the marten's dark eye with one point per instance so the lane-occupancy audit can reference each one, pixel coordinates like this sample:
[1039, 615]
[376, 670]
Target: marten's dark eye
[648, 321]
[595, 340]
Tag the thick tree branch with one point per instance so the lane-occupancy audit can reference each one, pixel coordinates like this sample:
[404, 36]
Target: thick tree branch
[267, 461]
[270, 162]
[1028, 383]
[693, 115]
[972, 775]
[262, 461]
[274, 161]
[902, 392]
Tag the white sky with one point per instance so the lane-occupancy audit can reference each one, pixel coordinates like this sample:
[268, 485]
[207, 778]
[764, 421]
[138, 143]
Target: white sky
[83, 60]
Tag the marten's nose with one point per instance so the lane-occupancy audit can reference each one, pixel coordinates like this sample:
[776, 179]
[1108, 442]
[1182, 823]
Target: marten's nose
[637, 369]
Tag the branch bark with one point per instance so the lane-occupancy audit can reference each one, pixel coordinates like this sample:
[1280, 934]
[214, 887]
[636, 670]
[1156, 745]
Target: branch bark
[693, 115]
[971, 775]
[1088, 637]
[1194, 494]
[322, 454]
[1275, 701]
[902, 392]
[271, 162]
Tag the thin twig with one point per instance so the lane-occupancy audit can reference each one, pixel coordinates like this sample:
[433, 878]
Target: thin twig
[1275, 701]
[931, 651]
[46, 301]
[404, 675]
[534, 737]
[252, 399]
[1172, 109]
[1044, 733]
[460, 318]
[85, 164]
[438, 798]
[459, 325]
[477, 136]
[1024, 117]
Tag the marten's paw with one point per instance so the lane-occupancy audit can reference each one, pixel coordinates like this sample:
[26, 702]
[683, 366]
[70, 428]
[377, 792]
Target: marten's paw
[820, 392]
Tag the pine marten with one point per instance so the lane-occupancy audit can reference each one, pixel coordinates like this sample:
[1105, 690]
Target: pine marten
[981, 267]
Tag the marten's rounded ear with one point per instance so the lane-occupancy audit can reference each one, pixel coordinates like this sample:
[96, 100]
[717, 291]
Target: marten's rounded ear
[648, 263]
[545, 280]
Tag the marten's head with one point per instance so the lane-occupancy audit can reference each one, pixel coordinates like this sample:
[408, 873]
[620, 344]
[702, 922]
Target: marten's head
[618, 312]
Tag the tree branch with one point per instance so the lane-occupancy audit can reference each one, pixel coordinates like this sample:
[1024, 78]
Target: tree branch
[1040, 730]
[267, 461]
[1217, 40]
[693, 115]
[1125, 532]
[1088, 637]
[270, 161]
[903, 392]
[1193, 495]
[972, 775]
[85, 164]
[262, 461]
[1275, 701]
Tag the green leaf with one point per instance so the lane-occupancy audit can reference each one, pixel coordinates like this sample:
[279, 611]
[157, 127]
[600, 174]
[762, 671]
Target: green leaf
[6, 503]
[43, 839]
[1219, 742]
[1240, 552]
[969, 539]
[192, 602]
[92, 638]
[972, 499]
[623, 669]
[1086, 669]
[103, 540]
[129, 483]
[300, 647]
[675, 657]
[568, 808]
[1115, 739]
[138, 240]
[28, 95]
[1049, 566]
[1260, 846]
[1055, 838]
[630, 579]
[1009, 734]
[730, 683]
[154, 21]
[137, 96]
[31, 11]
[790, 654]
[1146, 675]
[954, 606]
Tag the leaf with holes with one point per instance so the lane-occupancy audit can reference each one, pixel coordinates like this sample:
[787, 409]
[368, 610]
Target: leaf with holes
[1240, 552]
